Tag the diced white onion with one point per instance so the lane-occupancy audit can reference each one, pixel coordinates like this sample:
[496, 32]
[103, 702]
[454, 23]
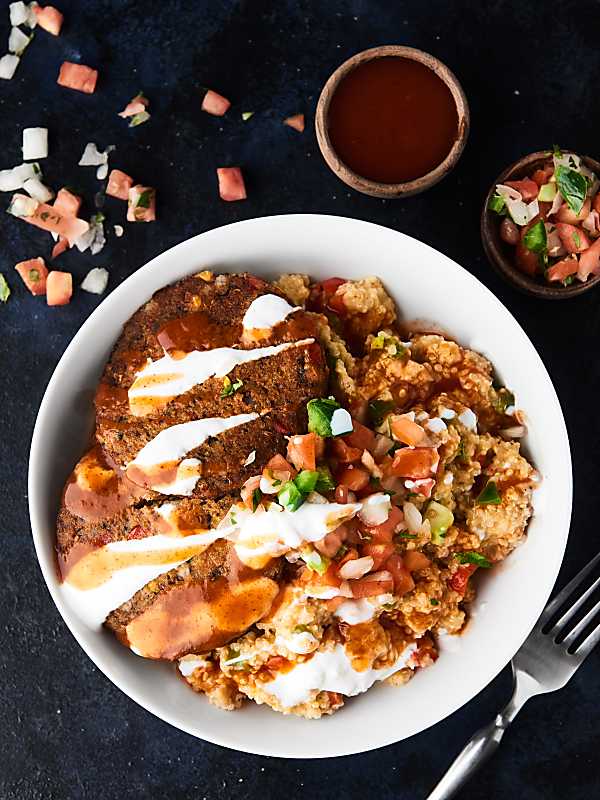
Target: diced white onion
[95, 281]
[119, 231]
[341, 422]
[93, 238]
[31, 21]
[375, 509]
[13, 179]
[507, 192]
[8, 66]
[17, 41]
[22, 206]
[447, 413]
[18, 13]
[436, 425]
[92, 157]
[250, 459]
[413, 517]
[369, 462]
[533, 209]
[356, 568]
[516, 432]
[570, 160]
[556, 203]
[37, 190]
[35, 143]
[102, 171]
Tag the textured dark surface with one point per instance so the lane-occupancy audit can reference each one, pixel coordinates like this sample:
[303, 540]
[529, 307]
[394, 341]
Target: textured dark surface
[530, 76]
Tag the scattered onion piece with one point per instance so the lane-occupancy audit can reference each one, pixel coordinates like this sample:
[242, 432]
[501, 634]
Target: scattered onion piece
[37, 190]
[59, 288]
[246, 115]
[35, 143]
[95, 281]
[8, 66]
[231, 184]
[296, 122]
[119, 230]
[18, 14]
[18, 41]
[78, 77]
[215, 104]
[13, 179]
[49, 18]
[34, 273]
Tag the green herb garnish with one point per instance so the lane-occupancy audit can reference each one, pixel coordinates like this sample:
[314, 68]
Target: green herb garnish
[246, 115]
[568, 280]
[4, 289]
[145, 199]
[290, 497]
[489, 496]
[502, 399]
[471, 557]
[556, 151]
[497, 204]
[434, 602]
[34, 275]
[343, 549]
[325, 482]
[377, 410]
[391, 344]
[535, 239]
[405, 535]
[230, 387]
[461, 453]
[256, 499]
[573, 187]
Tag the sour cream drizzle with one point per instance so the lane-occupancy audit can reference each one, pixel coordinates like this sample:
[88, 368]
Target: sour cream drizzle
[330, 671]
[169, 377]
[267, 311]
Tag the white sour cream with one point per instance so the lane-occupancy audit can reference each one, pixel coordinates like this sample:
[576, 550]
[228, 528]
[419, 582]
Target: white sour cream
[169, 377]
[267, 311]
[469, 419]
[173, 443]
[353, 612]
[330, 671]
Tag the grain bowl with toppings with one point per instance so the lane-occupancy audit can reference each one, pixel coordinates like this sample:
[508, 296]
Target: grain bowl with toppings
[288, 495]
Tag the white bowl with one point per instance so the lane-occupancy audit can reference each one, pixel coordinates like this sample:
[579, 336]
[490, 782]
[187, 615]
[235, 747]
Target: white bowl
[426, 285]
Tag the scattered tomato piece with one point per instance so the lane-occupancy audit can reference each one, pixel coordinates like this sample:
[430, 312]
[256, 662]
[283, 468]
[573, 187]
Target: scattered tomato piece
[215, 104]
[565, 214]
[78, 77]
[141, 204]
[301, 451]
[231, 184]
[296, 122]
[413, 560]
[59, 288]
[589, 262]
[460, 579]
[527, 261]
[135, 106]
[403, 581]
[344, 453]
[67, 203]
[119, 184]
[406, 431]
[46, 217]
[384, 533]
[34, 274]
[379, 552]
[355, 478]
[528, 188]
[361, 437]
[373, 584]
[48, 18]
[59, 247]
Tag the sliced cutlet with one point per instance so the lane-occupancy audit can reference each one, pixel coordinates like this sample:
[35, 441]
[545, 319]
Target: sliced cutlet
[204, 603]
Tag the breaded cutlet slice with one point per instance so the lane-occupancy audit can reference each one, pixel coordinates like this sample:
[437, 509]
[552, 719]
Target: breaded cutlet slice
[203, 603]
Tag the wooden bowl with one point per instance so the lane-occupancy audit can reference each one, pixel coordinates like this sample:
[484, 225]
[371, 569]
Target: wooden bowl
[376, 188]
[501, 255]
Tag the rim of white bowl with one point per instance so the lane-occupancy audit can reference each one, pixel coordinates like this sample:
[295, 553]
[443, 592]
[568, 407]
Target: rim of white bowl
[49, 570]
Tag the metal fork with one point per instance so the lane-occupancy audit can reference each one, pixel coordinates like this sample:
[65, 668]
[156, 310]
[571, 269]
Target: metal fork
[542, 665]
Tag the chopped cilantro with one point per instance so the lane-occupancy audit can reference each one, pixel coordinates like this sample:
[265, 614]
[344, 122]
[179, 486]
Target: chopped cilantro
[44, 215]
[301, 629]
[489, 495]
[568, 280]
[145, 199]
[470, 557]
[461, 453]
[4, 289]
[34, 275]
[377, 410]
[343, 549]
[434, 602]
[502, 399]
[325, 482]
[256, 499]
[577, 239]
[405, 535]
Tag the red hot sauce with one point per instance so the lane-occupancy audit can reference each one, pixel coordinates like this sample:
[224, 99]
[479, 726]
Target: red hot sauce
[392, 120]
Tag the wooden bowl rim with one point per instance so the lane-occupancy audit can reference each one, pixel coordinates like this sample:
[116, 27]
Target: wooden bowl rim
[494, 247]
[377, 188]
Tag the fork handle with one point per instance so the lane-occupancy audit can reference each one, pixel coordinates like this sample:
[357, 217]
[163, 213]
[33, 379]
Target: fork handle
[476, 752]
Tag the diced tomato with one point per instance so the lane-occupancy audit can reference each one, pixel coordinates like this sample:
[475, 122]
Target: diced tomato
[574, 239]
[460, 579]
[296, 122]
[78, 77]
[589, 262]
[34, 274]
[141, 204]
[279, 469]
[47, 218]
[231, 184]
[413, 560]
[323, 292]
[350, 555]
[406, 431]
[565, 214]
[59, 247]
[135, 106]
[301, 451]
[330, 544]
[334, 603]
[359, 409]
[419, 462]
[562, 269]
[423, 487]
[361, 437]
[48, 18]
[527, 188]
[59, 288]
[119, 184]
[542, 176]
[403, 581]
[67, 203]
[372, 584]
[276, 663]
[596, 202]
[344, 453]
[527, 261]
[379, 552]
[137, 533]
[385, 531]
[215, 104]
[355, 478]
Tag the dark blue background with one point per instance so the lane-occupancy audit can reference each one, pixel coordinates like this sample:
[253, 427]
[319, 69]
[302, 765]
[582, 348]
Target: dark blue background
[530, 71]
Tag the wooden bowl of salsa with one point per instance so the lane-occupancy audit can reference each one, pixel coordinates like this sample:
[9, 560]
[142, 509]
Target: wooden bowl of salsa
[392, 121]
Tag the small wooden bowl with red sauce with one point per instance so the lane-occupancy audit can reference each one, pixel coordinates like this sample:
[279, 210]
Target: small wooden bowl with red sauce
[502, 256]
[392, 121]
